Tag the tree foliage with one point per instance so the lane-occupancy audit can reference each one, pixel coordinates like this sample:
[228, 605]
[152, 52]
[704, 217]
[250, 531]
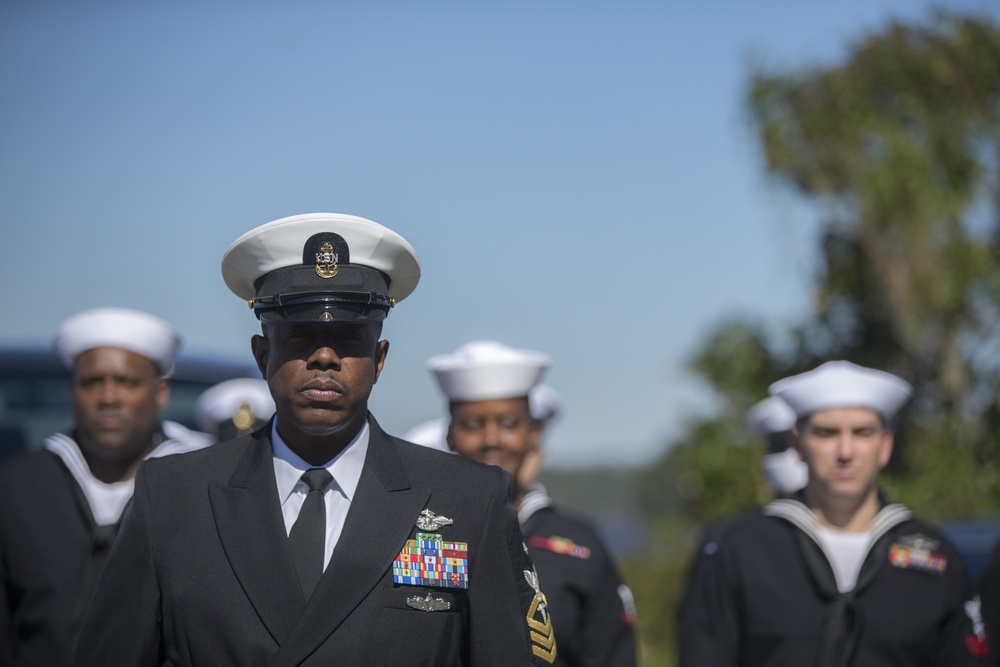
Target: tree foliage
[898, 149]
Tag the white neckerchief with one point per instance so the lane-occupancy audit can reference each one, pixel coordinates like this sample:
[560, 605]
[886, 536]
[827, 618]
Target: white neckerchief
[535, 499]
[108, 501]
[345, 468]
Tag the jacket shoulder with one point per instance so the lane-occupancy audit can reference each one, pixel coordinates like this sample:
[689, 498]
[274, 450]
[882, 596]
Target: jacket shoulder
[210, 462]
[445, 464]
[28, 469]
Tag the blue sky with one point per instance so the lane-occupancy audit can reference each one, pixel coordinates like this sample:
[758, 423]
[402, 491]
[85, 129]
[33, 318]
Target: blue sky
[576, 177]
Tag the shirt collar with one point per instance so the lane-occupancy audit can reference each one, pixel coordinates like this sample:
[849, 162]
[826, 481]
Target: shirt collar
[345, 467]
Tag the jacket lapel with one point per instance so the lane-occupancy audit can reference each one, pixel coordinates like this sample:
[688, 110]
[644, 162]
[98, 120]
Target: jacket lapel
[248, 518]
[382, 515]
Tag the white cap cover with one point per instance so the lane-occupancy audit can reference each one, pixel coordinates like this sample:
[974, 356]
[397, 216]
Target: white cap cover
[132, 330]
[279, 244]
[486, 370]
[772, 415]
[433, 434]
[841, 384]
[222, 401]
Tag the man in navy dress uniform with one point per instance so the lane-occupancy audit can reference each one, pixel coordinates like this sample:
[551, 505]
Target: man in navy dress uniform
[319, 539]
[489, 387]
[60, 507]
[835, 575]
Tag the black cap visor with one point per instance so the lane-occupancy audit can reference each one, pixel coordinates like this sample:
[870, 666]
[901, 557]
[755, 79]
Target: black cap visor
[297, 294]
[323, 307]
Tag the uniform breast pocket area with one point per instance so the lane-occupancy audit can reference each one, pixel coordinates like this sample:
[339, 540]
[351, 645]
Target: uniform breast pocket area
[421, 599]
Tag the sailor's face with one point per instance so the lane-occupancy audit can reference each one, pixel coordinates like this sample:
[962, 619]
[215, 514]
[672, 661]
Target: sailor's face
[844, 449]
[498, 432]
[320, 375]
[117, 397]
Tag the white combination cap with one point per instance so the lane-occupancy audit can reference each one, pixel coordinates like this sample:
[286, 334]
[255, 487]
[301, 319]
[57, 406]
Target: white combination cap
[132, 330]
[321, 267]
[772, 415]
[242, 400]
[484, 370]
[841, 384]
[433, 434]
[544, 403]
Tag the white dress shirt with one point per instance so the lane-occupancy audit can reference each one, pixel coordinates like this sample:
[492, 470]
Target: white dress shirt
[345, 468]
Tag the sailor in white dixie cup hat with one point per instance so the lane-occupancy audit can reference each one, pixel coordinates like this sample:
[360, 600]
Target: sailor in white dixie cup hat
[773, 420]
[319, 539]
[432, 433]
[60, 507]
[489, 387]
[837, 575]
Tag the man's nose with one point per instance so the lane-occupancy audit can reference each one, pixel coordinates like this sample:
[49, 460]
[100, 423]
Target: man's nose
[845, 446]
[109, 393]
[491, 434]
[324, 356]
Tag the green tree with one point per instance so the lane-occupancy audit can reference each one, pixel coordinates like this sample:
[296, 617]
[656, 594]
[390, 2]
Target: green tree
[898, 148]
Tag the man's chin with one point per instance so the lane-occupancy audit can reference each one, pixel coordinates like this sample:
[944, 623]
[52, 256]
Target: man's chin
[112, 450]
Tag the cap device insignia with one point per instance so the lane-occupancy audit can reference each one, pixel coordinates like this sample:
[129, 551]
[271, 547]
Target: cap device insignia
[294, 293]
[332, 247]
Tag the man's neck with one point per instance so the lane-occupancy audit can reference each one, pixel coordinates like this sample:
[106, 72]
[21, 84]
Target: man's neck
[315, 449]
[851, 515]
[111, 470]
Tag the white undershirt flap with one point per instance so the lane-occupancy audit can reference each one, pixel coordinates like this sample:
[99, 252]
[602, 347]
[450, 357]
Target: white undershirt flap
[846, 552]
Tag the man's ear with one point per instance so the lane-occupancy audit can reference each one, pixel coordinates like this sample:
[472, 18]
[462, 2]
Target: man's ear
[381, 352]
[886, 451]
[260, 346]
[162, 393]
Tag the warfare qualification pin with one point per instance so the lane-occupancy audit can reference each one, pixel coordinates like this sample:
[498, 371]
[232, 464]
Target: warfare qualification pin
[326, 261]
[428, 520]
[428, 603]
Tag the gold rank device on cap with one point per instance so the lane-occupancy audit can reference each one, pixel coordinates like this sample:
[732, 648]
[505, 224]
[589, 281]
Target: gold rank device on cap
[321, 267]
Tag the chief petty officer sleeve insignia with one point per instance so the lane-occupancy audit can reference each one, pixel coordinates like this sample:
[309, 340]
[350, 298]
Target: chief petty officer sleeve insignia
[427, 560]
[916, 552]
[543, 639]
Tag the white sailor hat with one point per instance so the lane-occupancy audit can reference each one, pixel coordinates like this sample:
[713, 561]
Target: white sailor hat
[433, 434]
[321, 267]
[132, 330]
[772, 415]
[483, 370]
[841, 384]
[241, 400]
[785, 471]
[544, 403]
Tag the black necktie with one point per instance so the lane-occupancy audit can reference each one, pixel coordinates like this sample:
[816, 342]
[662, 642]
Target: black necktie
[307, 539]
